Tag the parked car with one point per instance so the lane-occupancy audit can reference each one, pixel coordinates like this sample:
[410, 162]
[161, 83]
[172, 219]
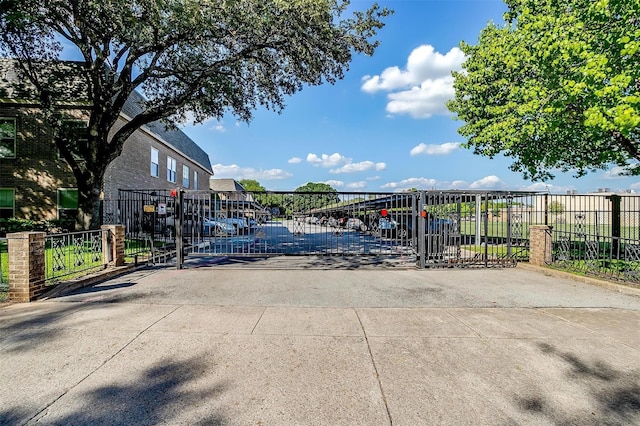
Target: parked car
[240, 223]
[401, 226]
[218, 228]
[357, 224]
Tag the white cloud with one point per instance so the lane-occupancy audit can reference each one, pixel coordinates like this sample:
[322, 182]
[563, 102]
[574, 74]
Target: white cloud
[423, 87]
[294, 160]
[443, 149]
[219, 128]
[335, 183]
[236, 172]
[325, 160]
[357, 185]
[459, 184]
[635, 185]
[363, 166]
[488, 182]
[374, 178]
[547, 187]
[614, 173]
[423, 101]
[418, 183]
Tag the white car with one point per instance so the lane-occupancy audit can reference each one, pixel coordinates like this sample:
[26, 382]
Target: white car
[357, 224]
[218, 228]
[241, 225]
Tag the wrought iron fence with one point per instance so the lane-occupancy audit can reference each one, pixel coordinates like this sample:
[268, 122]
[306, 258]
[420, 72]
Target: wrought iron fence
[593, 254]
[595, 234]
[73, 254]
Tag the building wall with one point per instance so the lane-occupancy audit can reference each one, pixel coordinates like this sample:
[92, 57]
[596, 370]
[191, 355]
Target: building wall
[132, 169]
[37, 172]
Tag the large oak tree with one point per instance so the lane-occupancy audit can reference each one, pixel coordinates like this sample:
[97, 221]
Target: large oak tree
[556, 87]
[190, 58]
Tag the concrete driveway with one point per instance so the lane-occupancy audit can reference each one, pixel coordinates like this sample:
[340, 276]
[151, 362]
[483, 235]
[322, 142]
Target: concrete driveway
[254, 345]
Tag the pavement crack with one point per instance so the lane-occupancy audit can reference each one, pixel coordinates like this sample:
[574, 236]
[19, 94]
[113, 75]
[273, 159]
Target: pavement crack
[258, 321]
[91, 373]
[375, 368]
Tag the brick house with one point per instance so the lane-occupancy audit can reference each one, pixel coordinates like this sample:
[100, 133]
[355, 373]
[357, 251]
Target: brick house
[36, 183]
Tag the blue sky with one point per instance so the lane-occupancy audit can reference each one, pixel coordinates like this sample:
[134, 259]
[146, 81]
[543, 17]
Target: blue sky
[384, 127]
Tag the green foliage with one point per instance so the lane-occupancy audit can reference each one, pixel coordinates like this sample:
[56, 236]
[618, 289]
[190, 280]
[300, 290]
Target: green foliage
[556, 207]
[252, 185]
[8, 226]
[192, 59]
[556, 87]
[313, 196]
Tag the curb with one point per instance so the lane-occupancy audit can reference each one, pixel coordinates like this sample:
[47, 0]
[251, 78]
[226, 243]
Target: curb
[610, 285]
[65, 287]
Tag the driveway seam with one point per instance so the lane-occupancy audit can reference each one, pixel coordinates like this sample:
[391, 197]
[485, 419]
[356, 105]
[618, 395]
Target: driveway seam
[39, 413]
[598, 333]
[375, 368]
[258, 321]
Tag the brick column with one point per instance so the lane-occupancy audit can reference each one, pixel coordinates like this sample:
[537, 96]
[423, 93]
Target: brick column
[26, 266]
[540, 244]
[113, 245]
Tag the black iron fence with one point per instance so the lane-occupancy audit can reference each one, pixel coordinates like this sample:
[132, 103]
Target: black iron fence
[434, 228]
[595, 234]
[73, 254]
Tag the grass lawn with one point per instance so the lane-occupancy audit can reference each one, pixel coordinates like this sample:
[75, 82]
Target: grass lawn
[499, 229]
[499, 251]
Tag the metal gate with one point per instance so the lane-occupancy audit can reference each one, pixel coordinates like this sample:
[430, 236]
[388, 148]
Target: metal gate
[430, 228]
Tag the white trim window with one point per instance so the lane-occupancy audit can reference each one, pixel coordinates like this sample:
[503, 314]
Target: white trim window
[155, 163]
[7, 138]
[195, 179]
[171, 169]
[185, 175]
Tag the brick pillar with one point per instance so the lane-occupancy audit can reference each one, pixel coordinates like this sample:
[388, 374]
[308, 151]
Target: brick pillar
[113, 245]
[26, 266]
[540, 244]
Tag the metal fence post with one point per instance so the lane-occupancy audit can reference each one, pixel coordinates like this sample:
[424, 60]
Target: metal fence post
[179, 230]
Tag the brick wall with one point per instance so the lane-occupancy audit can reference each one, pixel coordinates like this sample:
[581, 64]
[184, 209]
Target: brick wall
[132, 169]
[26, 266]
[540, 245]
[37, 173]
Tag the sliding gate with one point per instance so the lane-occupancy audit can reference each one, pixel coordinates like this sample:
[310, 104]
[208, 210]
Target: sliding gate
[321, 224]
[428, 228]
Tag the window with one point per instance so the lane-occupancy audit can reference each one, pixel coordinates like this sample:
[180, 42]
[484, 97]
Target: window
[67, 204]
[7, 202]
[185, 176]
[171, 169]
[195, 179]
[7, 138]
[75, 134]
[155, 164]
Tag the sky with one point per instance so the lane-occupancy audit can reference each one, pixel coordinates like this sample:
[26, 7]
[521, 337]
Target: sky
[385, 126]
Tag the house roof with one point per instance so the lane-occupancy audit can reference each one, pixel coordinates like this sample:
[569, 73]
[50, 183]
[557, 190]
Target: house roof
[173, 136]
[225, 185]
[14, 89]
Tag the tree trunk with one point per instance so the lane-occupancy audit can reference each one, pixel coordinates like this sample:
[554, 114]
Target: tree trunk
[89, 203]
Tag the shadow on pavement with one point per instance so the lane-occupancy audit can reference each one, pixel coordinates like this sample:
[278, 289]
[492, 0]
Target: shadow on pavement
[616, 394]
[153, 398]
[305, 262]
